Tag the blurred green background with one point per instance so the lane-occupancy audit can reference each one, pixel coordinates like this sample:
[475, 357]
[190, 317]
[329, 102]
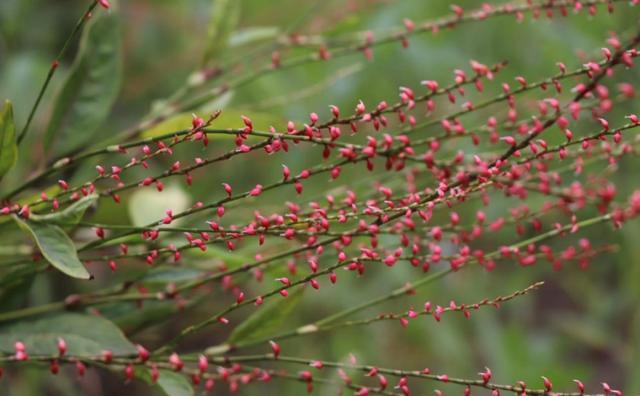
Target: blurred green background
[581, 324]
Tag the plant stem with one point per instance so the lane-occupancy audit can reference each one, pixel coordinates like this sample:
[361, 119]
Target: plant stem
[53, 68]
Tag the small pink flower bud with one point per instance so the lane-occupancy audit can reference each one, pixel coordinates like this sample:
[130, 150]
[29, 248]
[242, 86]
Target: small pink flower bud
[203, 363]
[316, 364]
[176, 362]
[257, 190]
[275, 348]
[485, 375]
[81, 369]
[62, 347]
[547, 384]
[54, 367]
[129, 372]
[431, 85]
[107, 356]
[459, 11]
[604, 123]
[196, 122]
[409, 25]
[247, 122]
[99, 232]
[580, 386]
[335, 111]
[227, 189]
[143, 353]
[510, 140]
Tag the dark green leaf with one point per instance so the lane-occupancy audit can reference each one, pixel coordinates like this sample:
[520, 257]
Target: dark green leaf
[71, 215]
[55, 246]
[267, 320]
[132, 320]
[172, 384]
[85, 335]
[90, 89]
[16, 284]
[224, 19]
[8, 147]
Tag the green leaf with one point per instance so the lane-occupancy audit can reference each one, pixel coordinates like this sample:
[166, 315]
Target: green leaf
[91, 88]
[266, 321]
[147, 205]
[132, 320]
[30, 199]
[229, 118]
[164, 275]
[15, 285]
[8, 147]
[178, 122]
[172, 384]
[85, 335]
[224, 19]
[253, 34]
[55, 246]
[214, 256]
[71, 215]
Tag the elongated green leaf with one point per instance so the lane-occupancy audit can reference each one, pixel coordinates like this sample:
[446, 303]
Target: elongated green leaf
[56, 247]
[172, 384]
[224, 19]
[253, 34]
[163, 275]
[15, 286]
[229, 118]
[30, 199]
[132, 320]
[85, 335]
[214, 256]
[71, 215]
[90, 89]
[267, 320]
[8, 147]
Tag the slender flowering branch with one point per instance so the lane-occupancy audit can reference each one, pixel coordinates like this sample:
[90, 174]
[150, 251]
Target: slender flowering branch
[55, 64]
[422, 374]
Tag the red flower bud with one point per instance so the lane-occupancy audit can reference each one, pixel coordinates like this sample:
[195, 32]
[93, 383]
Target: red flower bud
[275, 348]
[176, 362]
